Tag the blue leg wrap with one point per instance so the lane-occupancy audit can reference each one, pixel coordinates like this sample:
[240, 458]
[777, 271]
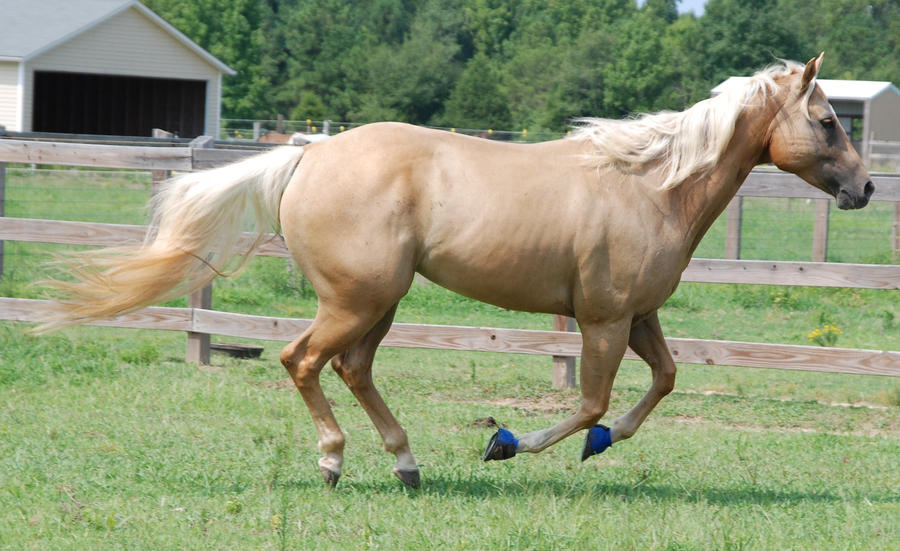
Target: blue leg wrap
[598, 439]
[502, 445]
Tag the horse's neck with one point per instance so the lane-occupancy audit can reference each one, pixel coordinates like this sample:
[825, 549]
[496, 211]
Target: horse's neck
[703, 200]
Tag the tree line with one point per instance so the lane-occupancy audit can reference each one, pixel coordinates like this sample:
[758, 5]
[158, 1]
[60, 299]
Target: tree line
[514, 64]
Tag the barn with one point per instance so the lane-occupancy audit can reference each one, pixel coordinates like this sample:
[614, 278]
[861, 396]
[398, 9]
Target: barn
[110, 67]
[868, 110]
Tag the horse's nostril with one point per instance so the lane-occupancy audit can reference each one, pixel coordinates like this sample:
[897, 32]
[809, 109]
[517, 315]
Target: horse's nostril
[869, 189]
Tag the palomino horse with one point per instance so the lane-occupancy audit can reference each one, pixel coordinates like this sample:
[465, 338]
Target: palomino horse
[598, 226]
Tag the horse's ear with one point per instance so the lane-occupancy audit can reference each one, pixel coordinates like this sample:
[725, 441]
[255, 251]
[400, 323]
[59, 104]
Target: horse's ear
[810, 72]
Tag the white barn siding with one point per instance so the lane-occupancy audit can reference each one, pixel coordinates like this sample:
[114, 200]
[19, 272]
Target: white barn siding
[9, 95]
[886, 125]
[129, 44]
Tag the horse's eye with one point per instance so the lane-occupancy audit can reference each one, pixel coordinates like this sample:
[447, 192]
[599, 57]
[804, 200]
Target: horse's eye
[828, 122]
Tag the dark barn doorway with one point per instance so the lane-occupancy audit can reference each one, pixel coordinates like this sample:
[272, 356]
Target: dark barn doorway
[77, 103]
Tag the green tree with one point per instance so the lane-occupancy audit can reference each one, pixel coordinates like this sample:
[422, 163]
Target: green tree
[579, 89]
[741, 36]
[317, 48]
[664, 9]
[641, 72]
[489, 23]
[530, 78]
[861, 38]
[412, 80]
[688, 84]
[233, 33]
[522, 63]
[477, 100]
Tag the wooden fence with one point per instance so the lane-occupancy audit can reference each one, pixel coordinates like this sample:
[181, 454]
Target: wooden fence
[199, 321]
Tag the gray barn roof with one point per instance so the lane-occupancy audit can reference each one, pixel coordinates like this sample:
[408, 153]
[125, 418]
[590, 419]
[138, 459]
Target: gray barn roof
[29, 28]
[859, 90]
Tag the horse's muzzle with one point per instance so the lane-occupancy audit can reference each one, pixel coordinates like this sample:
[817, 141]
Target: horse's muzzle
[847, 199]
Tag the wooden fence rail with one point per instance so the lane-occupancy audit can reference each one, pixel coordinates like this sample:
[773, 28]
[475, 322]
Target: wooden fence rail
[562, 345]
[486, 339]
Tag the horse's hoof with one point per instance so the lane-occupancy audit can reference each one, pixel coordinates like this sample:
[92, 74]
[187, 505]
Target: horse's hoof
[330, 477]
[410, 478]
[597, 440]
[502, 446]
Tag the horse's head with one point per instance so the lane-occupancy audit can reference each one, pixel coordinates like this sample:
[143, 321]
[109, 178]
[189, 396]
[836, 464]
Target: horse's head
[807, 139]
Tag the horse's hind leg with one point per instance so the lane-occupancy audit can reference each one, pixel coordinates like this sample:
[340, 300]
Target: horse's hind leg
[648, 342]
[355, 368]
[333, 331]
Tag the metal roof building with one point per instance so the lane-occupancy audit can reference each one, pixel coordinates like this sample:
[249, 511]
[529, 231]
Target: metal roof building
[103, 67]
[868, 110]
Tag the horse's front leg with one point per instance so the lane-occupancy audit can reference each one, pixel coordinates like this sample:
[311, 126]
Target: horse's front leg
[648, 342]
[602, 350]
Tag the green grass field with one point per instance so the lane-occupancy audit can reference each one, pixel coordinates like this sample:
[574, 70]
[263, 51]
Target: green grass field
[108, 440]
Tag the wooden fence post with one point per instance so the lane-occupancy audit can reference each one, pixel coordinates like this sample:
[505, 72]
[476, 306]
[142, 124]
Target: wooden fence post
[563, 366]
[257, 130]
[2, 208]
[279, 124]
[159, 176]
[733, 216]
[197, 350]
[897, 229]
[820, 231]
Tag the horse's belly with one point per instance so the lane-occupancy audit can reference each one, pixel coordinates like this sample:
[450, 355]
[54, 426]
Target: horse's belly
[510, 283]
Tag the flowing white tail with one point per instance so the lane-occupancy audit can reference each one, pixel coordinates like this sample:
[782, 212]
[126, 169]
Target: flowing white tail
[194, 236]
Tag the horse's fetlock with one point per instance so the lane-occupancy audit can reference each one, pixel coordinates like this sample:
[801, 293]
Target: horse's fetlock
[623, 433]
[395, 443]
[332, 443]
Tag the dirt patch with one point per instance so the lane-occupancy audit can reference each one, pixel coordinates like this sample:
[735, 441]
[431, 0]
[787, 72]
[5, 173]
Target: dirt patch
[550, 403]
[282, 384]
[488, 422]
[867, 431]
[863, 405]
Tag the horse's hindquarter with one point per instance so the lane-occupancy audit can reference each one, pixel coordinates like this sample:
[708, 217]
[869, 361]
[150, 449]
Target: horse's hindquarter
[524, 227]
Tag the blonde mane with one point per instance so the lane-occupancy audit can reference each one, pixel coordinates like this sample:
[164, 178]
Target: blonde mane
[685, 143]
